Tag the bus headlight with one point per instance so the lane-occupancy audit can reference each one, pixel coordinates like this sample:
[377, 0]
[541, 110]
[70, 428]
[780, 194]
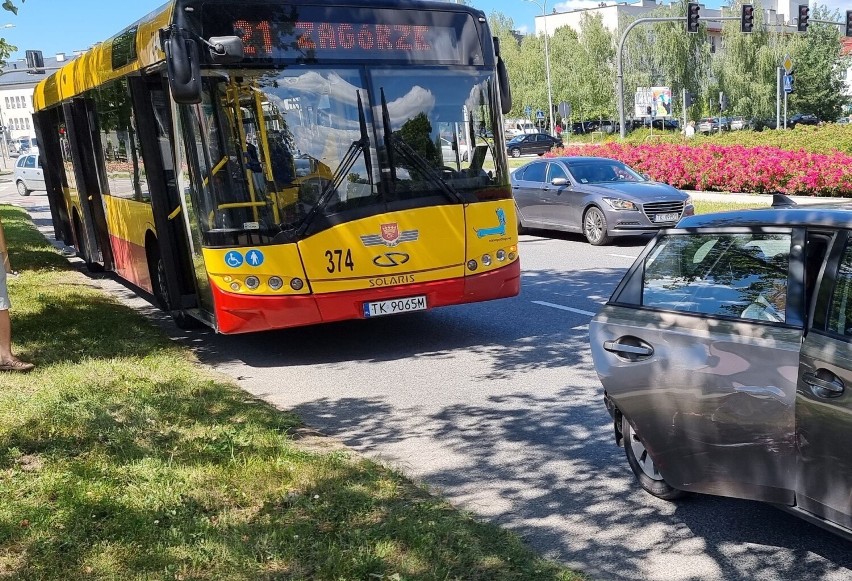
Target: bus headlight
[235, 286]
[296, 284]
[275, 283]
[252, 282]
[486, 260]
[472, 265]
[501, 255]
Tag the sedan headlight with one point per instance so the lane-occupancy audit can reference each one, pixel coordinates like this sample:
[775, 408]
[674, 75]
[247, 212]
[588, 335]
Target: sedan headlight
[619, 204]
[688, 201]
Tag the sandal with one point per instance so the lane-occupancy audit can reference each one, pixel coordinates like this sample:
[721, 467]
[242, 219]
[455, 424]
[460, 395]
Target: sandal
[16, 365]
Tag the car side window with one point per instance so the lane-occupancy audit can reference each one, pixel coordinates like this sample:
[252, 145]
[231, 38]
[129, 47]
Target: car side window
[535, 172]
[21, 161]
[554, 171]
[742, 276]
[30, 161]
[840, 310]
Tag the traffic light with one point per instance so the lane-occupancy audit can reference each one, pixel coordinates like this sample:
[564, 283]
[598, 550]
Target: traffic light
[693, 10]
[689, 99]
[747, 18]
[649, 110]
[804, 15]
[723, 102]
[849, 23]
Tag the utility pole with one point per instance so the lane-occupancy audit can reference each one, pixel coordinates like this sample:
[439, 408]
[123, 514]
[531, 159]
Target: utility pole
[543, 6]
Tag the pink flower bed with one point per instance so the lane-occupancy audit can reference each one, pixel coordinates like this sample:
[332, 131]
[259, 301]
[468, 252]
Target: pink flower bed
[733, 168]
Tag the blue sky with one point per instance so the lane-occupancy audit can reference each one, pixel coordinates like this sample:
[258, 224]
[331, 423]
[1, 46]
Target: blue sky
[67, 25]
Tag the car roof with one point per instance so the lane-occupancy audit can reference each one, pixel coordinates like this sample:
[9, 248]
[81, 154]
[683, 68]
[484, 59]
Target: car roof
[829, 214]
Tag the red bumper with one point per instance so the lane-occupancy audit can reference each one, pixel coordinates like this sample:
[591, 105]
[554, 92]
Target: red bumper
[244, 314]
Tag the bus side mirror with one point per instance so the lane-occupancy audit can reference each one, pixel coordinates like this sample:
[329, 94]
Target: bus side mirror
[184, 68]
[226, 50]
[503, 80]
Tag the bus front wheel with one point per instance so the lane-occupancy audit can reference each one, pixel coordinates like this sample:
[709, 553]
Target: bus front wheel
[161, 294]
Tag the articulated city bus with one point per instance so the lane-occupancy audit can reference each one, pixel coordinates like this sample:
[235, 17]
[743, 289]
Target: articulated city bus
[268, 164]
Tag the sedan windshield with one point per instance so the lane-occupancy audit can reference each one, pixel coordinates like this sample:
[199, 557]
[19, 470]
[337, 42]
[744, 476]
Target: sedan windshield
[604, 170]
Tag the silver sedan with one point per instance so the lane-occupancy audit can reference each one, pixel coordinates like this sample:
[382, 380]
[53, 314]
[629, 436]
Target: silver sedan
[600, 197]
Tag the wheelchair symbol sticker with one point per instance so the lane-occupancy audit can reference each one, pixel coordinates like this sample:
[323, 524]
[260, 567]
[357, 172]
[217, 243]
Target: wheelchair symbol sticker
[234, 259]
[254, 257]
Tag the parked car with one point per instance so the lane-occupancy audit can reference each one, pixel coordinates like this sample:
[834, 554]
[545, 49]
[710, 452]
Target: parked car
[600, 197]
[739, 123]
[29, 174]
[448, 151]
[803, 119]
[708, 125]
[725, 357]
[538, 143]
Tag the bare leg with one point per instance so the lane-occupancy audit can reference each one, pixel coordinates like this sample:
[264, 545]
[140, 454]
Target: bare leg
[5, 336]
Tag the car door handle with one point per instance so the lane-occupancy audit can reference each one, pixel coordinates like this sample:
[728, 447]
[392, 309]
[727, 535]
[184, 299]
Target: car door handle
[616, 347]
[831, 388]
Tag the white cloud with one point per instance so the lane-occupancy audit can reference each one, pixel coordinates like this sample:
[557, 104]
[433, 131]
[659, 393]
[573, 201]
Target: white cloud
[578, 4]
[523, 29]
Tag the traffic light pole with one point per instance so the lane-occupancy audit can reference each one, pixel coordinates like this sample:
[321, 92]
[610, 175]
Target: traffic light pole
[620, 66]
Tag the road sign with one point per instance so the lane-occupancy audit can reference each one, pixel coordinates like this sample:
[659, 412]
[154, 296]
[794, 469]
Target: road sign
[788, 83]
[787, 64]
[539, 114]
[564, 109]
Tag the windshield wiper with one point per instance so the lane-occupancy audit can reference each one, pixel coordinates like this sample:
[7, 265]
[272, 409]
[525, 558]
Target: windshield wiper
[358, 147]
[396, 143]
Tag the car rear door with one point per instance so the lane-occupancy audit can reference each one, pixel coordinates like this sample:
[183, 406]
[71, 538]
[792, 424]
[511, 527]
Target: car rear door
[824, 396]
[698, 348]
[528, 190]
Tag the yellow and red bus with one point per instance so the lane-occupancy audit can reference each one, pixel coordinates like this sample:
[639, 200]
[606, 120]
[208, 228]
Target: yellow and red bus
[268, 164]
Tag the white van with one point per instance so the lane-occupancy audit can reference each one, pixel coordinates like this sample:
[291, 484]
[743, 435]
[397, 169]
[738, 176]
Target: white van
[514, 127]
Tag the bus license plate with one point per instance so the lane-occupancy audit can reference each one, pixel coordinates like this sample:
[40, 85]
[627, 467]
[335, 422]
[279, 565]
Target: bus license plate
[666, 217]
[394, 306]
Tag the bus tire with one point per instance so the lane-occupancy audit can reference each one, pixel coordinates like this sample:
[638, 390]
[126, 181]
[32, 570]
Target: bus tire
[161, 292]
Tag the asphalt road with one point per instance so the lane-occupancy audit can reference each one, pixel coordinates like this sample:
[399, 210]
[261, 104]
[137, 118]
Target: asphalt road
[496, 406]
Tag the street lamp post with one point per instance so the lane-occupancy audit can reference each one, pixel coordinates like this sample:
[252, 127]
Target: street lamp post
[543, 6]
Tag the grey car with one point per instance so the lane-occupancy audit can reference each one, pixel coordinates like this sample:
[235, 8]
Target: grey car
[601, 198]
[29, 174]
[724, 354]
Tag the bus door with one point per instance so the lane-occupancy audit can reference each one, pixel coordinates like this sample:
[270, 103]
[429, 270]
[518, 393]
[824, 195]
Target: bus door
[51, 133]
[156, 134]
[90, 227]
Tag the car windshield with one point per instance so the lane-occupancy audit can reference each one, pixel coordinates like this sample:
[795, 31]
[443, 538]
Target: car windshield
[601, 171]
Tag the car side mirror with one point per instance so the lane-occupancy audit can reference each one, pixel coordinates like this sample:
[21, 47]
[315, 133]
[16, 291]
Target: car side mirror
[226, 49]
[559, 182]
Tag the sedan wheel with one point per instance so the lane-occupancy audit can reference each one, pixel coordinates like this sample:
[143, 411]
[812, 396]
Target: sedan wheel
[22, 188]
[594, 227]
[516, 152]
[644, 468]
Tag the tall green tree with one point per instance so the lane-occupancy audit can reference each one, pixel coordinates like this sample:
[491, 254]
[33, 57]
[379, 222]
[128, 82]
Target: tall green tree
[596, 68]
[819, 68]
[664, 54]
[746, 67]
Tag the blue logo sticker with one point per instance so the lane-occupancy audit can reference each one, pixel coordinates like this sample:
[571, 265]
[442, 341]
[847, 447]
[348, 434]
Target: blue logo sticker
[498, 230]
[234, 259]
[254, 257]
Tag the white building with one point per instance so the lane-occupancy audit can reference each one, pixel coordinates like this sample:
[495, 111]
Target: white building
[17, 84]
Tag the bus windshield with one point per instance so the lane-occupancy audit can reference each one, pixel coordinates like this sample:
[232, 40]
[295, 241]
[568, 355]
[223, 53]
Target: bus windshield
[278, 151]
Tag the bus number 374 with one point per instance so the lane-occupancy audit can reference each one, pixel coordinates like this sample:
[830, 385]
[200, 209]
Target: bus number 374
[337, 262]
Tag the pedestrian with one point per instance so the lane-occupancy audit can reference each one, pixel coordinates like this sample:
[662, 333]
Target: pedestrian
[8, 362]
[690, 130]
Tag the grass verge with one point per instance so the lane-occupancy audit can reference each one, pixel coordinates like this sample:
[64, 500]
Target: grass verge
[708, 207]
[121, 459]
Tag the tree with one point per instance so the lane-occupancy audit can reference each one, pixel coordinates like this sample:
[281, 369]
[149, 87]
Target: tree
[7, 49]
[596, 68]
[663, 54]
[820, 68]
[747, 66]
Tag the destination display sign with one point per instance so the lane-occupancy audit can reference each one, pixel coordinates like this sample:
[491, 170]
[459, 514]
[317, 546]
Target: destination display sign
[347, 33]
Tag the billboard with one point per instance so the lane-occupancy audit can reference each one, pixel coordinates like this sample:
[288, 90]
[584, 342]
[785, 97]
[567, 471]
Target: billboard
[662, 101]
